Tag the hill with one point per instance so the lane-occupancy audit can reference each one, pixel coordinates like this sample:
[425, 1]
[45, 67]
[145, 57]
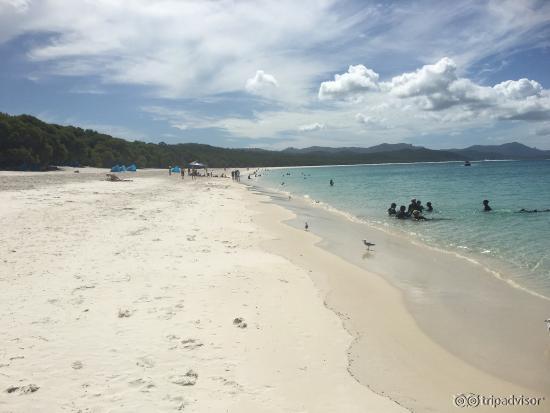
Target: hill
[513, 150]
[29, 143]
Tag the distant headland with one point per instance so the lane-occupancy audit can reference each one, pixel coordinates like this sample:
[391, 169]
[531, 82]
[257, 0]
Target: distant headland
[26, 142]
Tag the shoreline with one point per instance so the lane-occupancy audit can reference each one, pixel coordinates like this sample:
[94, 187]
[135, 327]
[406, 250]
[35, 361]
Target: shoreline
[437, 332]
[495, 266]
[178, 261]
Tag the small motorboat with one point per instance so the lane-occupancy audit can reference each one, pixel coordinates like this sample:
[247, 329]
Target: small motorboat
[467, 163]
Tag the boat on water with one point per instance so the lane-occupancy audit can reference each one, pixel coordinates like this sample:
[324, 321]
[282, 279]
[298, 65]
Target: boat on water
[467, 163]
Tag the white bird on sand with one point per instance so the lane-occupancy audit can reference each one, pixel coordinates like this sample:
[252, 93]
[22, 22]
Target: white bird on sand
[368, 244]
[547, 321]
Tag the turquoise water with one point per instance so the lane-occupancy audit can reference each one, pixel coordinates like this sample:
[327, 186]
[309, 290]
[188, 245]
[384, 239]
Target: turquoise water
[514, 245]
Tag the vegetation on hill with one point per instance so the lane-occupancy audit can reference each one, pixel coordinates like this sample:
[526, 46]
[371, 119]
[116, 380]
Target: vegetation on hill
[28, 143]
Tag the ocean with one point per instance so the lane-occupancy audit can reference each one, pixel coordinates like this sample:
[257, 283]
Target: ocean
[513, 245]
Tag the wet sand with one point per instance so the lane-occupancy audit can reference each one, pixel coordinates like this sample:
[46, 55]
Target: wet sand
[479, 334]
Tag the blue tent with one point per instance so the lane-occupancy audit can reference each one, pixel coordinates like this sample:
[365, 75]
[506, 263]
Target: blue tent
[176, 169]
[116, 168]
[132, 168]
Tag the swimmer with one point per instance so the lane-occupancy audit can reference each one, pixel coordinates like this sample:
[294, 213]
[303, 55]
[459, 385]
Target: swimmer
[402, 214]
[417, 216]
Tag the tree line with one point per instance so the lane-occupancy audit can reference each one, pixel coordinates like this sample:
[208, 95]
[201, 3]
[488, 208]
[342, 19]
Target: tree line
[30, 144]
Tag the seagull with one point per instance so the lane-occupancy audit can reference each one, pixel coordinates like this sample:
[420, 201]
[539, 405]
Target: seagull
[368, 244]
[306, 226]
[547, 321]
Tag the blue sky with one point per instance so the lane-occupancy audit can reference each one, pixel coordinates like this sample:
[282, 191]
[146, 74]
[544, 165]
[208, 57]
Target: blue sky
[274, 74]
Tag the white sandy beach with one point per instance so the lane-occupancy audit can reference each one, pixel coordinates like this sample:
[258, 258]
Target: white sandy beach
[122, 297]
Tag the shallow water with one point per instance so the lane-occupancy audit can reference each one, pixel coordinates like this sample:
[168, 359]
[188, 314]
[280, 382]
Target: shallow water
[513, 244]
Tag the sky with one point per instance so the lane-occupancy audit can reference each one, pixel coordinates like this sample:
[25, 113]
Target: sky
[275, 74]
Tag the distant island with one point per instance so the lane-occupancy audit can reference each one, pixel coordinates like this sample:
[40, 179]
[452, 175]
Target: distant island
[27, 143]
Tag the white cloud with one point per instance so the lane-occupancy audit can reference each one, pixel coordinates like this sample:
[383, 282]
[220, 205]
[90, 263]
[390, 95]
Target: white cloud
[180, 126]
[178, 119]
[180, 49]
[350, 85]
[426, 80]
[470, 31]
[19, 6]
[519, 89]
[437, 88]
[261, 83]
[201, 49]
[370, 121]
[312, 127]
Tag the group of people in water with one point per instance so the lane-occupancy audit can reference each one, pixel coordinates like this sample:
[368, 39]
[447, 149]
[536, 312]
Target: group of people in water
[413, 211]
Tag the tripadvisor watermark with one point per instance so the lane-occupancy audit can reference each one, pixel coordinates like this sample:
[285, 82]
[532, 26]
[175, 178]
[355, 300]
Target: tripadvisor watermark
[477, 400]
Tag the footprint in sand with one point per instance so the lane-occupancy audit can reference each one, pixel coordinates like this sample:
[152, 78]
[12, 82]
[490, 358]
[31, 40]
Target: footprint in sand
[77, 300]
[146, 384]
[239, 322]
[231, 384]
[30, 388]
[145, 362]
[179, 401]
[188, 379]
[191, 344]
[143, 299]
[124, 313]
[82, 287]
[77, 365]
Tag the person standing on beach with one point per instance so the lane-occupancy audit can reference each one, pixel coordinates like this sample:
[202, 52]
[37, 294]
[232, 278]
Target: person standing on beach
[182, 173]
[486, 207]
[169, 169]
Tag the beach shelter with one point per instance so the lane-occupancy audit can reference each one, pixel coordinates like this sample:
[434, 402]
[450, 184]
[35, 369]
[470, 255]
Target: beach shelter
[116, 168]
[132, 168]
[176, 170]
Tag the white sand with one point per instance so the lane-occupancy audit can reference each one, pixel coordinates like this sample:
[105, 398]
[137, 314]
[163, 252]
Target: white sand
[120, 297]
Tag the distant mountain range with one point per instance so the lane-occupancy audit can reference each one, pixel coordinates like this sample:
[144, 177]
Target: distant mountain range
[29, 143]
[513, 150]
